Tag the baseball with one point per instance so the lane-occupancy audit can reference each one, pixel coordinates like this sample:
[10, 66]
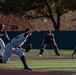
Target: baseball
[44, 20]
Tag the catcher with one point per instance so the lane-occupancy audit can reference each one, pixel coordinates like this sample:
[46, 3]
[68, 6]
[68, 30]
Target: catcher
[48, 38]
[14, 46]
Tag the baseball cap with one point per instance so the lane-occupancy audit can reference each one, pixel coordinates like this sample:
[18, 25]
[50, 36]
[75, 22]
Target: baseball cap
[49, 31]
[27, 29]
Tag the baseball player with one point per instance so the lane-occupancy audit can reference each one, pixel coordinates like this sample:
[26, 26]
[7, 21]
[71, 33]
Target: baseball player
[2, 44]
[73, 53]
[14, 46]
[48, 38]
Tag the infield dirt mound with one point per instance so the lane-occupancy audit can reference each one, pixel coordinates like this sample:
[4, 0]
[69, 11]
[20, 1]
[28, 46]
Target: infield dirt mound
[14, 71]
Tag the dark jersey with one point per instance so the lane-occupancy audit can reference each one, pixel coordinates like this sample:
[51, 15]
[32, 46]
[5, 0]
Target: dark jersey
[48, 38]
[2, 33]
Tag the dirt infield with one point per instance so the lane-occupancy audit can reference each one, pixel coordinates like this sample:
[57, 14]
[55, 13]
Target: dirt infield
[17, 71]
[12, 71]
[15, 57]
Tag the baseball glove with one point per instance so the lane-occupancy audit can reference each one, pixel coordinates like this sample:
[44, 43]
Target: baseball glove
[28, 47]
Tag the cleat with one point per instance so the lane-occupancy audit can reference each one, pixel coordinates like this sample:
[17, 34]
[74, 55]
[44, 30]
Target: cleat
[27, 68]
[40, 55]
[58, 54]
[72, 56]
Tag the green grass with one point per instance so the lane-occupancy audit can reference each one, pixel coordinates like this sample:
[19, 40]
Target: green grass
[46, 64]
[51, 52]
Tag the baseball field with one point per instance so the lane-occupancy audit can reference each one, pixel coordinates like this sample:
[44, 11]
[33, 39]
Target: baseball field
[48, 64]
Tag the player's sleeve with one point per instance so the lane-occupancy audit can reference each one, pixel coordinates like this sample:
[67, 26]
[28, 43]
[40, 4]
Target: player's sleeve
[52, 35]
[25, 34]
[18, 38]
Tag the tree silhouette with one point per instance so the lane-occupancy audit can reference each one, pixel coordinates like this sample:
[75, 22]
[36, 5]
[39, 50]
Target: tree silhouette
[38, 9]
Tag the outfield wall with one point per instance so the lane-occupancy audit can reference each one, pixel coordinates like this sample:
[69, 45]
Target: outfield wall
[64, 39]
